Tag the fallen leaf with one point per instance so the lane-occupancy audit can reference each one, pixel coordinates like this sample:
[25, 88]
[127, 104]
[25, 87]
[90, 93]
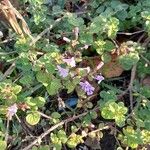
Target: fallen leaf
[146, 81]
[93, 143]
[112, 69]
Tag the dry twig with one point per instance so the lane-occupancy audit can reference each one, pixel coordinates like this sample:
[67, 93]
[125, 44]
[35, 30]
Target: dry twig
[128, 33]
[12, 15]
[130, 86]
[9, 71]
[146, 60]
[45, 31]
[53, 128]
[7, 130]
[133, 72]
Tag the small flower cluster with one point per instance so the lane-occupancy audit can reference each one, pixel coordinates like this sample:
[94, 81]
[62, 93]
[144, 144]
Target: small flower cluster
[99, 78]
[86, 86]
[64, 72]
[70, 62]
[12, 110]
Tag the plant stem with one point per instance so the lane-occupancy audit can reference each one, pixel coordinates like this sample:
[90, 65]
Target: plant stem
[7, 129]
[8, 71]
[53, 128]
[45, 31]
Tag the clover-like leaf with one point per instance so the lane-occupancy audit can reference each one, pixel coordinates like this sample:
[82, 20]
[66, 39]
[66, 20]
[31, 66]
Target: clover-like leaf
[62, 136]
[16, 89]
[43, 77]
[74, 140]
[69, 86]
[55, 115]
[112, 110]
[54, 86]
[33, 118]
[40, 101]
[3, 145]
[128, 60]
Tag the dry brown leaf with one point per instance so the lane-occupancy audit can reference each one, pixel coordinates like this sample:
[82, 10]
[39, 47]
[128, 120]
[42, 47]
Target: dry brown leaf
[12, 15]
[146, 81]
[112, 69]
[93, 143]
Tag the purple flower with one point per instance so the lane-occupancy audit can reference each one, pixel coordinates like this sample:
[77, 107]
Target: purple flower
[87, 87]
[70, 62]
[99, 78]
[62, 72]
[12, 110]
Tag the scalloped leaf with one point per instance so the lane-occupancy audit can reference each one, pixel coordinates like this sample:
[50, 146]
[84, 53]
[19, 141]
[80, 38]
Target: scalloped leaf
[33, 118]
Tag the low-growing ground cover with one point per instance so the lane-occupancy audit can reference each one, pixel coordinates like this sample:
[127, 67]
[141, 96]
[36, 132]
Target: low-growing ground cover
[74, 74]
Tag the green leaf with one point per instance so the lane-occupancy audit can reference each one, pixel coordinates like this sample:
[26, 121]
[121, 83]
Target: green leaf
[44, 78]
[16, 89]
[50, 68]
[58, 145]
[33, 118]
[122, 15]
[112, 27]
[54, 86]
[76, 80]
[142, 67]
[131, 137]
[74, 128]
[146, 15]
[56, 141]
[108, 12]
[86, 120]
[71, 144]
[89, 105]
[54, 138]
[34, 148]
[55, 115]
[62, 136]
[112, 110]
[3, 145]
[128, 60]
[86, 38]
[118, 6]
[69, 86]
[109, 46]
[3, 109]
[74, 140]
[40, 101]
[30, 101]
[108, 95]
[74, 20]
[45, 147]
[27, 79]
[98, 24]
[100, 46]
[106, 57]
[103, 46]
[93, 114]
[22, 45]
[145, 91]
[56, 9]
